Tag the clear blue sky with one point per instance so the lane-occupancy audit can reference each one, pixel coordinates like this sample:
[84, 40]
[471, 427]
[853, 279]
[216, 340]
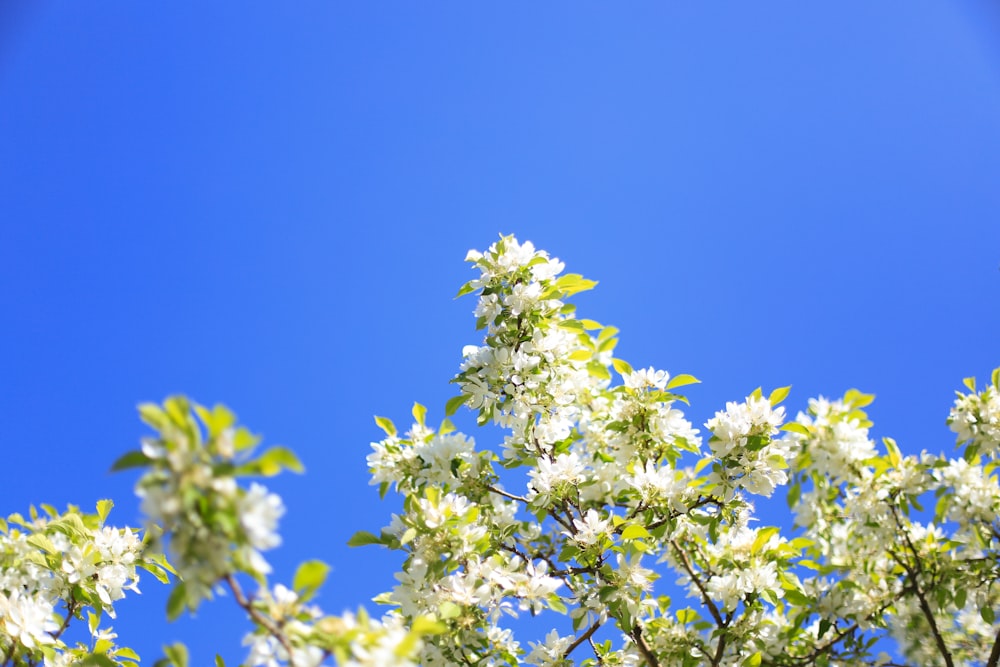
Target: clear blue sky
[268, 204]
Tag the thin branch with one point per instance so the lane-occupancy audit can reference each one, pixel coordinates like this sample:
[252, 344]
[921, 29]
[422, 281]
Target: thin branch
[697, 582]
[995, 653]
[511, 496]
[259, 618]
[582, 638]
[644, 647]
[913, 573]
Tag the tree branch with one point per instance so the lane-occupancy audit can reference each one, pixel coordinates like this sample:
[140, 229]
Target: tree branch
[644, 647]
[259, 618]
[995, 653]
[714, 610]
[582, 638]
[914, 572]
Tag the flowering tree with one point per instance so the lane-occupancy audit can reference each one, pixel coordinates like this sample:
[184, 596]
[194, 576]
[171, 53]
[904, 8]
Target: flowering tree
[602, 500]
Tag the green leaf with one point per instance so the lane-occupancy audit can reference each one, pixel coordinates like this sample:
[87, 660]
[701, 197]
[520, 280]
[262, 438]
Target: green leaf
[763, 536]
[467, 288]
[795, 427]
[177, 601]
[960, 598]
[454, 403]
[386, 425]
[156, 571]
[133, 459]
[363, 537]
[95, 660]
[276, 459]
[40, 541]
[893, 450]
[682, 380]
[622, 366]
[219, 662]
[419, 413]
[856, 399]
[687, 615]
[590, 325]
[426, 625]
[777, 396]
[634, 531]
[988, 614]
[104, 508]
[753, 660]
[449, 610]
[309, 576]
[177, 654]
[970, 383]
[571, 283]
[126, 652]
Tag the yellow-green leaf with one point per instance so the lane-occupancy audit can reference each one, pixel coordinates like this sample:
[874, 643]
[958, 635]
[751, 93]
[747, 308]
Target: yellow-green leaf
[682, 380]
[778, 395]
[386, 425]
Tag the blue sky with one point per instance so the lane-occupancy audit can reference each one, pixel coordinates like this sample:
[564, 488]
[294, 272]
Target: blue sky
[268, 205]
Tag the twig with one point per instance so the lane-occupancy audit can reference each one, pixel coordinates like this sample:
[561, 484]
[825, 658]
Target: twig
[697, 582]
[644, 647]
[259, 618]
[582, 638]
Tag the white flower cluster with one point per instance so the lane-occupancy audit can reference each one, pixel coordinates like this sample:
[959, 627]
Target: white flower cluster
[62, 561]
[215, 526]
[743, 442]
[975, 417]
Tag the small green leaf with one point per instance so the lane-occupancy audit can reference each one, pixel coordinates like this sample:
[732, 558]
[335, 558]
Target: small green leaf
[777, 396]
[753, 660]
[276, 459]
[763, 537]
[454, 403]
[895, 458]
[127, 653]
[856, 399]
[40, 541]
[467, 288]
[419, 413]
[795, 427]
[426, 625]
[621, 366]
[449, 610]
[386, 425]
[219, 662]
[177, 654]
[634, 531]
[177, 601]
[988, 614]
[362, 538]
[104, 508]
[309, 576]
[682, 380]
[133, 459]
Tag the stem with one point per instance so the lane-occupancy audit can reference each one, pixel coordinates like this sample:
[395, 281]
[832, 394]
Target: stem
[913, 573]
[995, 653]
[582, 638]
[697, 582]
[71, 607]
[501, 492]
[644, 647]
[259, 618]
